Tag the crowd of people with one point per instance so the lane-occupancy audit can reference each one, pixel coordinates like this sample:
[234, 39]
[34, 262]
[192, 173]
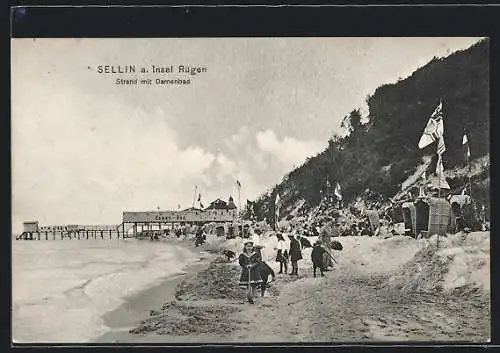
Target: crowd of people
[255, 271]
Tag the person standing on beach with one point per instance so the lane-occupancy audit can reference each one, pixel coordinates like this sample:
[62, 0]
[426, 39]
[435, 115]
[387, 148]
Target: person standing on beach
[254, 237]
[317, 256]
[250, 278]
[295, 254]
[282, 254]
[327, 232]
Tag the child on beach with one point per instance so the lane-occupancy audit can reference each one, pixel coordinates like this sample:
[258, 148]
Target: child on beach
[249, 259]
[282, 254]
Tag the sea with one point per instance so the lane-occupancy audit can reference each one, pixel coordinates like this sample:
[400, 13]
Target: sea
[62, 288]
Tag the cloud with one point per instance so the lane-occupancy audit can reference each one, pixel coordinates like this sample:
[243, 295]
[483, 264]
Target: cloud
[81, 159]
[289, 151]
[241, 136]
[229, 170]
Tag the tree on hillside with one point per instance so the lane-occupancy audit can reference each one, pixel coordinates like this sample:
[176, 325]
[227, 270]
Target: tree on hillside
[352, 122]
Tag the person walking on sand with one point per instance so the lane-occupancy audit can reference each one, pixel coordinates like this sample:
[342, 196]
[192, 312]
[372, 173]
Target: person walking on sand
[317, 258]
[327, 232]
[295, 254]
[282, 254]
[250, 278]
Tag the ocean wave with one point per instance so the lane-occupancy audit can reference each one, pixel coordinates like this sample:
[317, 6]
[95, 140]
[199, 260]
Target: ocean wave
[78, 288]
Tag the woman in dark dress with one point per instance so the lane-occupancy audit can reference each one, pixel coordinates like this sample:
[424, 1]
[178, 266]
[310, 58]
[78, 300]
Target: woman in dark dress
[295, 254]
[250, 278]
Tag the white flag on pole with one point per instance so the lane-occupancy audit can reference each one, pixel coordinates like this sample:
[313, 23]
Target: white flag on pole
[465, 142]
[434, 129]
[338, 191]
[441, 180]
[441, 148]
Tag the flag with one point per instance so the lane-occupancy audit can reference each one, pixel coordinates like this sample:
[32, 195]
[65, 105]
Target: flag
[238, 184]
[439, 165]
[199, 197]
[201, 205]
[251, 208]
[434, 129]
[465, 142]
[277, 201]
[463, 191]
[441, 180]
[421, 191]
[337, 191]
[441, 148]
[179, 206]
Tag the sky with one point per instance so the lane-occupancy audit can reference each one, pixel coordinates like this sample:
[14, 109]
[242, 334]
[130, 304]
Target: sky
[85, 149]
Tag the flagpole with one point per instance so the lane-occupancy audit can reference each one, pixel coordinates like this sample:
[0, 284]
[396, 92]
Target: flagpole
[239, 199]
[439, 176]
[194, 196]
[439, 190]
[469, 172]
[238, 185]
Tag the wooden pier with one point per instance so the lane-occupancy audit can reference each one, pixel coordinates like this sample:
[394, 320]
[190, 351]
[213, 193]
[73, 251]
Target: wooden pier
[118, 232]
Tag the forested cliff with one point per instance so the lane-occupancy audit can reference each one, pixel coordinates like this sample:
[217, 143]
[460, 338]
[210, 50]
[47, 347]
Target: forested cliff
[381, 149]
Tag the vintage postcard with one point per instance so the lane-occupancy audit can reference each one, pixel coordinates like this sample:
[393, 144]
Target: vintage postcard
[250, 190]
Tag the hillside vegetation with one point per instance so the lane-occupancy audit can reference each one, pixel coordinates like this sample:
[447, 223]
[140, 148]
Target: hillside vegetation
[381, 150]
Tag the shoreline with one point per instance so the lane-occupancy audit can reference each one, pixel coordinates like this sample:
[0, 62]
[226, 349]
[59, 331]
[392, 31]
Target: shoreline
[138, 306]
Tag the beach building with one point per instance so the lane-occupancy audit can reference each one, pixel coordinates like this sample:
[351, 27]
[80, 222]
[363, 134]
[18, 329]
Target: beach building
[30, 226]
[218, 211]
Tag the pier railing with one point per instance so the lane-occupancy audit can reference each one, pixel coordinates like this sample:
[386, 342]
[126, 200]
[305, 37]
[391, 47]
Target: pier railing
[73, 234]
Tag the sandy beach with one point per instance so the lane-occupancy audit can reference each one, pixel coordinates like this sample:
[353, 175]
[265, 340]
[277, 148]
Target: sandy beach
[375, 293]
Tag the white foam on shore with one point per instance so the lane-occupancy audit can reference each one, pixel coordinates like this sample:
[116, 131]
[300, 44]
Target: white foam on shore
[62, 288]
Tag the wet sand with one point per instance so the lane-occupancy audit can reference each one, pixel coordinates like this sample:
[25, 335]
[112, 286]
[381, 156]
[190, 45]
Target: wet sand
[138, 306]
